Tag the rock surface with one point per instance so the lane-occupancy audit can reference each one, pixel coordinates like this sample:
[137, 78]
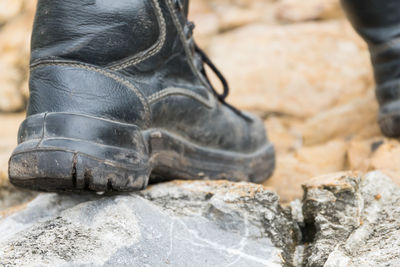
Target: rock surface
[268, 73]
[310, 10]
[9, 195]
[304, 70]
[216, 16]
[15, 30]
[353, 220]
[9, 9]
[201, 223]
[345, 219]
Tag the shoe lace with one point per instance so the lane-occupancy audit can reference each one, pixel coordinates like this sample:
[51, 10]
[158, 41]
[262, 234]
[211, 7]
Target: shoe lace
[207, 61]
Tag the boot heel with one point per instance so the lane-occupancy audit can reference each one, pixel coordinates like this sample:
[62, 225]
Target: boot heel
[67, 152]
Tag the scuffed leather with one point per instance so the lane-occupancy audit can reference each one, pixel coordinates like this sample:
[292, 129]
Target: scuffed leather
[59, 88]
[218, 128]
[171, 67]
[94, 31]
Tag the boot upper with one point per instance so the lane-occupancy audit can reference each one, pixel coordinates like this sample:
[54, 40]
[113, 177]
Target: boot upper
[133, 61]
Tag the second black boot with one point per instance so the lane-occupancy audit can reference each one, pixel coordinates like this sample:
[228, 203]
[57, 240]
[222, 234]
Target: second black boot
[378, 22]
[120, 96]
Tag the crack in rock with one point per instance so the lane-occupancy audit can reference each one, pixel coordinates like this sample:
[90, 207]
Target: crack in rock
[356, 220]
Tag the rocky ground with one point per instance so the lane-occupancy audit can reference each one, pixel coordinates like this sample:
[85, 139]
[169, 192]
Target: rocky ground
[298, 64]
[345, 219]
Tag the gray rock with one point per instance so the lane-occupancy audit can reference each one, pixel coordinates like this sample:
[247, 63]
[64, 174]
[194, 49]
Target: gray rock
[345, 219]
[352, 220]
[172, 224]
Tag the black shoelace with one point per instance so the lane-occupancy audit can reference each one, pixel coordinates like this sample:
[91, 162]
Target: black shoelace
[207, 61]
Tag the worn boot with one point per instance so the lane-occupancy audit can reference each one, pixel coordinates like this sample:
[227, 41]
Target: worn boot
[120, 96]
[378, 22]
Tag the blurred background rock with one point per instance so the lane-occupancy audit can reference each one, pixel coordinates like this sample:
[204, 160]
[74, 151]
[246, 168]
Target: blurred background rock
[297, 63]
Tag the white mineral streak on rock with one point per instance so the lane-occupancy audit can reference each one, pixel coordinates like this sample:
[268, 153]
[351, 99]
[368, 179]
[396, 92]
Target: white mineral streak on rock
[201, 223]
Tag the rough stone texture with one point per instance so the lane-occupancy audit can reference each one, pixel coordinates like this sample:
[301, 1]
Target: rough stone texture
[174, 224]
[376, 154]
[346, 219]
[295, 168]
[352, 220]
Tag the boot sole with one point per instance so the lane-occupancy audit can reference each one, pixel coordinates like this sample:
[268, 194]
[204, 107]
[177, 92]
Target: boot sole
[73, 152]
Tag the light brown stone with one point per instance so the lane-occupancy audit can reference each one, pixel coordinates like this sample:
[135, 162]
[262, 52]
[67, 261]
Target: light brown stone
[306, 10]
[377, 153]
[14, 59]
[10, 77]
[356, 118]
[215, 16]
[8, 140]
[15, 37]
[236, 13]
[232, 16]
[294, 169]
[206, 21]
[387, 159]
[339, 180]
[284, 133]
[300, 69]
[9, 9]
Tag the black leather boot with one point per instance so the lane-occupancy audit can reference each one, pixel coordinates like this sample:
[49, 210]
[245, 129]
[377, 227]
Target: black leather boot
[119, 95]
[378, 22]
